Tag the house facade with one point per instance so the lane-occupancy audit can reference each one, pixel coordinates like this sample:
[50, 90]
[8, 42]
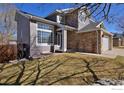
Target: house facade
[63, 30]
[118, 40]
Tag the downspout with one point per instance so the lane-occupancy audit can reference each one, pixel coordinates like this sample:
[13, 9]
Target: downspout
[97, 41]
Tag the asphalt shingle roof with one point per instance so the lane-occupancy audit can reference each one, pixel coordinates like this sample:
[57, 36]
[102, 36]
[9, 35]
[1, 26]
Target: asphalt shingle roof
[90, 26]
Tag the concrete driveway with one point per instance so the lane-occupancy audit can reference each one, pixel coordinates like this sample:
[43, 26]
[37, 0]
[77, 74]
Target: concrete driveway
[113, 53]
[110, 54]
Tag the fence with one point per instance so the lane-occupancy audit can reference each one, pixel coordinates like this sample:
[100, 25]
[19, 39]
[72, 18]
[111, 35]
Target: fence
[8, 52]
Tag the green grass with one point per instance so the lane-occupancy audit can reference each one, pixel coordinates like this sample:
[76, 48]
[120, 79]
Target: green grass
[63, 69]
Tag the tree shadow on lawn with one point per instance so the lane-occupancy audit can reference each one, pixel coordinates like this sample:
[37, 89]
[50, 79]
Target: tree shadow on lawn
[53, 66]
[89, 69]
[39, 68]
[87, 65]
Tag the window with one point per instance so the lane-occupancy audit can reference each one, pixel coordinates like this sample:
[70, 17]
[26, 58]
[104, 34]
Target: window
[60, 19]
[82, 16]
[44, 34]
[44, 26]
[39, 36]
[44, 37]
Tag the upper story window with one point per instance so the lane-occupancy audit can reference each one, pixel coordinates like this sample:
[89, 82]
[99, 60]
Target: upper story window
[44, 26]
[60, 19]
[82, 16]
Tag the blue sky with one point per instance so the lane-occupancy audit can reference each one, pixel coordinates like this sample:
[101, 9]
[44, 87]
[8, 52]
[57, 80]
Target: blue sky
[45, 9]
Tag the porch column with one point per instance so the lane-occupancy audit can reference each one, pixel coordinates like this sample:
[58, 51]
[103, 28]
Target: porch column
[64, 40]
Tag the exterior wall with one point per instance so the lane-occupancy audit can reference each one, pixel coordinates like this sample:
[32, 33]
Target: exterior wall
[99, 32]
[86, 42]
[23, 35]
[116, 42]
[111, 42]
[122, 41]
[83, 23]
[71, 19]
[36, 50]
[23, 29]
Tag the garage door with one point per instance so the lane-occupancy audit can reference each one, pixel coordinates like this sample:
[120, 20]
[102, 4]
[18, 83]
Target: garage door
[105, 43]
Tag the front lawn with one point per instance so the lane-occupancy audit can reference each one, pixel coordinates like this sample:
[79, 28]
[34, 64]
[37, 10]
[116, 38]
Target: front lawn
[120, 47]
[63, 69]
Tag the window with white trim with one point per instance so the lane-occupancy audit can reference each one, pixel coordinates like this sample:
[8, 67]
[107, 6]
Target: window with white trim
[45, 26]
[44, 34]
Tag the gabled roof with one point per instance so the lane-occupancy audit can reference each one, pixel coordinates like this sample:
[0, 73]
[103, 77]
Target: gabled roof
[65, 11]
[91, 26]
[40, 19]
[94, 26]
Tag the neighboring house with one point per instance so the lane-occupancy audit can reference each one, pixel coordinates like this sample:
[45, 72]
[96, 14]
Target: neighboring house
[63, 30]
[118, 39]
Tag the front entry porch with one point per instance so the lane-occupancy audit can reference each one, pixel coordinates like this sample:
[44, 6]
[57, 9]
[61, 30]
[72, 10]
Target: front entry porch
[60, 41]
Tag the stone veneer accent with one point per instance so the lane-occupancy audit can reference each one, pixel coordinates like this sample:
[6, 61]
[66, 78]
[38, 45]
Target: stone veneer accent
[85, 42]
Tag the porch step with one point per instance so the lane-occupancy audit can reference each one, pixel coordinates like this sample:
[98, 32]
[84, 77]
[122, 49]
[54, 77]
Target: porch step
[58, 51]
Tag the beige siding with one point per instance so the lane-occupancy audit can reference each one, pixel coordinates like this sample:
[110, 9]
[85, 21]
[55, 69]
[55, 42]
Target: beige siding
[23, 29]
[36, 50]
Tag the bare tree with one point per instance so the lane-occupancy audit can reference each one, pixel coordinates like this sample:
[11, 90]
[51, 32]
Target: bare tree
[99, 11]
[7, 23]
[7, 28]
[120, 24]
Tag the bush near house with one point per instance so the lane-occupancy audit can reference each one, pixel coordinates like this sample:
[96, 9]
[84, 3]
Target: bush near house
[7, 52]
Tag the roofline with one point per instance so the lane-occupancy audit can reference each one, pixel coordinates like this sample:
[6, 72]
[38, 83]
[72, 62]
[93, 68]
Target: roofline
[100, 23]
[91, 30]
[37, 18]
[52, 22]
[51, 13]
[56, 11]
[106, 31]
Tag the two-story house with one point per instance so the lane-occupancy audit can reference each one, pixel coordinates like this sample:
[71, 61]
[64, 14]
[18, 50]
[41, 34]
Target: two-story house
[63, 30]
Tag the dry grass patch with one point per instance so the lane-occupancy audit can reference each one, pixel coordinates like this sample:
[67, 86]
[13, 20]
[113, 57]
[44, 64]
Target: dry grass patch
[63, 69]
